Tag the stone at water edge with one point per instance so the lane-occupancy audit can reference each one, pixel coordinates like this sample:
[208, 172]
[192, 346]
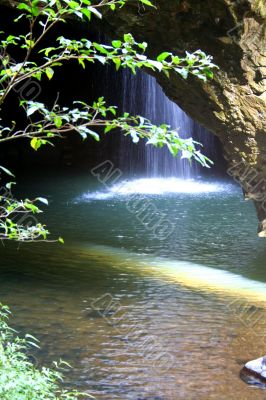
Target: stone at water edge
[256, 368]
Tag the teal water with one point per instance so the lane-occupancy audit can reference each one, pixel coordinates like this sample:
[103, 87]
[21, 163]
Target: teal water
[129, 330]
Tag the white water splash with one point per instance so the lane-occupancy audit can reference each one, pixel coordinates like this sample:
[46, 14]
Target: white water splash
[163, 186]
[159, 186]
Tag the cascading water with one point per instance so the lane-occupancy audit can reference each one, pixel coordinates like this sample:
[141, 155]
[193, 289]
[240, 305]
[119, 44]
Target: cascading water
[142, 95]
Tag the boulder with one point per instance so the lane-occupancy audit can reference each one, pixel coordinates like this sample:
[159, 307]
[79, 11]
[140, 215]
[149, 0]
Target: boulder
[255, 369]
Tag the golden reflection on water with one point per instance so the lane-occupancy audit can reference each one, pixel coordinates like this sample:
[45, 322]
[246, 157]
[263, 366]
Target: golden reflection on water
[166, 334]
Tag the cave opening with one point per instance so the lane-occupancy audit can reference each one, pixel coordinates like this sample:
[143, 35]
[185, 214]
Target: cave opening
[138, 94]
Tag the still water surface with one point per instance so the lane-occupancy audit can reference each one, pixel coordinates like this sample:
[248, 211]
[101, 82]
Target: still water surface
[165, 335]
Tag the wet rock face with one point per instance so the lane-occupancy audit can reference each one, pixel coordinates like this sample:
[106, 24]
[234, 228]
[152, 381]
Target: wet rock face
[233, 105]
[255, 371]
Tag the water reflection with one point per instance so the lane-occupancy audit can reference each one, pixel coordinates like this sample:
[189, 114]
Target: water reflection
[208, 335]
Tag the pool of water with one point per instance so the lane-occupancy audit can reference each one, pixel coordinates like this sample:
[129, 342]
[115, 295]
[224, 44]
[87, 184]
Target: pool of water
[158, 293]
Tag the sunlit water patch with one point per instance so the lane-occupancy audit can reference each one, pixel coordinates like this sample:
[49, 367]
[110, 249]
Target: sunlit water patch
[189, 274]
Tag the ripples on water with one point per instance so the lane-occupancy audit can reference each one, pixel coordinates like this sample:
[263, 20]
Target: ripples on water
[120, 352]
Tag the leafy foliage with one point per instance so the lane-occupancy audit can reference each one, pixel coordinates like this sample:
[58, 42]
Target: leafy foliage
[19, 378]
[44, 124]
[85, 119]
[18, 220]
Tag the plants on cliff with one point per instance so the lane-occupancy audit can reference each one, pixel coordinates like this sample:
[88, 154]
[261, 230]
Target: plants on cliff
[44, 124]
[19, 378]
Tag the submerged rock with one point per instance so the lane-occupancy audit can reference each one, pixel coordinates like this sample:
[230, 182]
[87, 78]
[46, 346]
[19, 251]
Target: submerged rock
[255, 371]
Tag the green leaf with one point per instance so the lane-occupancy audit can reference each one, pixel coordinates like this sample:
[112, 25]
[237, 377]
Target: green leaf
[95, 12]
[35, 143]
[58, 121]
[161, 57]
[49, 72]
[173, 149]
[128, 38]
[81, 62]
[42, 200]
[100, 58]
[73, 4]
[9, 185]
[28, 205]
[134, 136]
[166, 72]
[94, 135]
[23, 6]
[7, 171]
[33, 107]
[87, 13]
[101, 48]
[35, 8]
[117, 62]
[148, 3]
[108, 128]
[208, 72]
[156, 64]
[116, 43]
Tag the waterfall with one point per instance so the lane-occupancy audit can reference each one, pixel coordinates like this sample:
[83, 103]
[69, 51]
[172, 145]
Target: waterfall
[142, 95]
